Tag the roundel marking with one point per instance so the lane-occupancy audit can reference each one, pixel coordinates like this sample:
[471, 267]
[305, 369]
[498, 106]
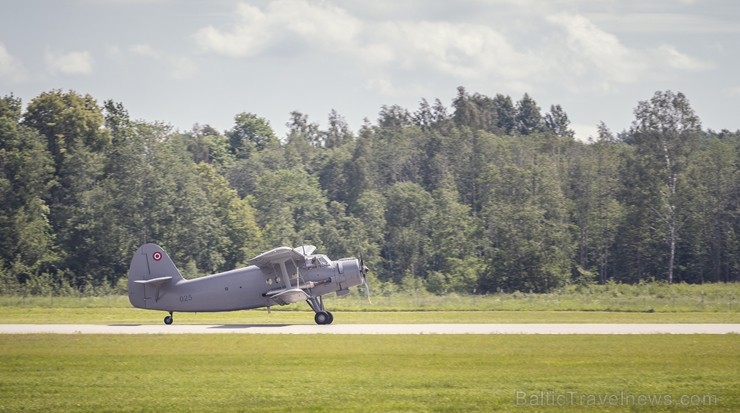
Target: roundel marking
[157, 256]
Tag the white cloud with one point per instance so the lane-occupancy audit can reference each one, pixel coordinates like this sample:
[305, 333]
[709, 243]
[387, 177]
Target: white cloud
[698, 20]
[11, 67]
[144, 50]
[596, 60]
[72, 63]
[382, 86]
[387, 87]
[458, 49]
[322, 24]
[677, 60]
[466, 50]
[248, 37]
[508, 50]
[318, 24]
[180, 67]
[593, 51]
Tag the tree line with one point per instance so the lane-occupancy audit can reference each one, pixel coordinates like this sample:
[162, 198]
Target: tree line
[486, 195]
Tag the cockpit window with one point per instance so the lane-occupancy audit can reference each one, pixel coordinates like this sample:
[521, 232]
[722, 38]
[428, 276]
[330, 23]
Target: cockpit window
[320, 261]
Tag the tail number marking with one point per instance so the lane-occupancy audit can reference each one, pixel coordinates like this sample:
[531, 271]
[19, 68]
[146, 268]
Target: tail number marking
[184, 298]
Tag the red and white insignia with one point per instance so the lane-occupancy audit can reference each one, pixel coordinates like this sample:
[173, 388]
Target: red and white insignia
[157, 256]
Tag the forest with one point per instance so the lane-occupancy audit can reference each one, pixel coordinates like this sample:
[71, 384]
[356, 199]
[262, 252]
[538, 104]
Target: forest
[486, 195]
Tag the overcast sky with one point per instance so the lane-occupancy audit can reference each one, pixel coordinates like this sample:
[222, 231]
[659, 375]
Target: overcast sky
[186, 62]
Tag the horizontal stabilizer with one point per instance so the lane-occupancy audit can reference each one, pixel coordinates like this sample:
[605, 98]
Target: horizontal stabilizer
[153, 281]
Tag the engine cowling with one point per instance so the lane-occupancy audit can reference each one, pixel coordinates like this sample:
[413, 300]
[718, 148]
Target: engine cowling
[349, 273]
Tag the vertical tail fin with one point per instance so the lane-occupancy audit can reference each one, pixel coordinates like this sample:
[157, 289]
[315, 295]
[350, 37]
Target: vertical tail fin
[151, 269]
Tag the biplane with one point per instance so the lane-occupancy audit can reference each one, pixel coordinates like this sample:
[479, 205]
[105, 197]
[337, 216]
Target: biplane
[280, 276]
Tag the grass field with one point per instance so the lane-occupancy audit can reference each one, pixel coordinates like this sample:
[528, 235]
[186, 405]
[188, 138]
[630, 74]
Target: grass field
[40, 373]
[422, 373]
[640, 298]
[609, 303]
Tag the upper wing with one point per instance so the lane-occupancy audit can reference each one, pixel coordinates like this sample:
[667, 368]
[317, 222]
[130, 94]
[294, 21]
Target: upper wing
[306, 249]
[282, 254]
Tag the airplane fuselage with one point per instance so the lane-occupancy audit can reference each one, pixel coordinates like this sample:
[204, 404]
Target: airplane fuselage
[238, 289]
[277, 277]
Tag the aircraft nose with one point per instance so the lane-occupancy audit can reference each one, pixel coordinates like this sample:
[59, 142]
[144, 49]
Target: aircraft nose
[357, 271]
[362, 269]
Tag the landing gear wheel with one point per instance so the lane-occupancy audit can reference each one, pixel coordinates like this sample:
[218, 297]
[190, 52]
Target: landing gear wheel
[331, 317]
[168, 319]
[323, 317]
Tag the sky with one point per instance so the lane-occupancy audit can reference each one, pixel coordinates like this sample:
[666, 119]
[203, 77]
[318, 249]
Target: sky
[187, 62]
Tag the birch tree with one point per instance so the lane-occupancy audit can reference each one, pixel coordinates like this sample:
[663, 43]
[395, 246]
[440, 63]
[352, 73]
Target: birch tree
[665, 132]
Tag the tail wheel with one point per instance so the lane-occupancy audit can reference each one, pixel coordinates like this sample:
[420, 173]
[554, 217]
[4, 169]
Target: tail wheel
[168, 319]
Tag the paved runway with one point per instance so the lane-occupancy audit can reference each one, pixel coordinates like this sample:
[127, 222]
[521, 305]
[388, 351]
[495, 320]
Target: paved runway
[371, 329]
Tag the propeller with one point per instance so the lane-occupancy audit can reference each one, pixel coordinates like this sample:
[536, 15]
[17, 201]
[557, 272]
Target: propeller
[364, 270]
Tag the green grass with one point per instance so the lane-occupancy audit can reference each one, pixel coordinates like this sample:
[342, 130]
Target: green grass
[652, 297]
[609, 303]
[173, 373]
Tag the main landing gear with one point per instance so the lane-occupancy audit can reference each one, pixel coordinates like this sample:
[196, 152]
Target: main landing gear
[168, 319]
[322, 316]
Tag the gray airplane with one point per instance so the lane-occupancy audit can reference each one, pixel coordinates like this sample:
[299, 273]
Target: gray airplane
[277, 277]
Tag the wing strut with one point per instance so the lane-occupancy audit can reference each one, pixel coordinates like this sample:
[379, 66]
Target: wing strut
[284, 274]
